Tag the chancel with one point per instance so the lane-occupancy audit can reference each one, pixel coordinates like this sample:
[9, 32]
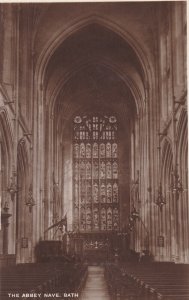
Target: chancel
[94, 150]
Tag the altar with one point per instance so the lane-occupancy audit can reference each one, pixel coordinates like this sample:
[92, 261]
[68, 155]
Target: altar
[93, 247]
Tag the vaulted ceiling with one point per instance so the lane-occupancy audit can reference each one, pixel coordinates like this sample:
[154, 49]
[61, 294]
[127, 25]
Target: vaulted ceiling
[93, 60]
[93, 69]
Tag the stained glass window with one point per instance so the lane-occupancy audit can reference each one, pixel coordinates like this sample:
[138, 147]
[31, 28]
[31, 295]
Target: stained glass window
[102, 150]
[88, 151]
[95, 173]
[109, 192]
[108, 150]
[115, 192]
[88, 218]
[115, 170]
[95, 170]
[108, 170]
[95, 150]
[82, 150]
[115, 218]
[103, 193]
[95, 192]
[102, 170]
[89, 192]
[103, 219]
[96, 218]
[114, 150]
[76, 150]
[109, 218]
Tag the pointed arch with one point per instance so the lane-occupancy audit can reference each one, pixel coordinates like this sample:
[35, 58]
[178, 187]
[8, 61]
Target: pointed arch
[139, 91]
[6, 153]
[182, 145]
[55, 42]
[167, 164]
[6, 135]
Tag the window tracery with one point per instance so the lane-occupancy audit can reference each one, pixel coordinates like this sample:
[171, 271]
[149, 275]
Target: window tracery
[95, 178]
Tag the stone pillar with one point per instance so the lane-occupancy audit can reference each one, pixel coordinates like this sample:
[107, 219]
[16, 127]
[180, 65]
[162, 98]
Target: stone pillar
[5, 224]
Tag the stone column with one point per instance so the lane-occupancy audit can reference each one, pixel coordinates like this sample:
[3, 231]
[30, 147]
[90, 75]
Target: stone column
[5, 224]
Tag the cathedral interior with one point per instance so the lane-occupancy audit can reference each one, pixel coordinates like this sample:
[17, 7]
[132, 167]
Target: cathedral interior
[94, 150]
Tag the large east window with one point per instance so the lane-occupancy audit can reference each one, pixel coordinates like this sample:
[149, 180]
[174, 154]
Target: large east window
[95, 173]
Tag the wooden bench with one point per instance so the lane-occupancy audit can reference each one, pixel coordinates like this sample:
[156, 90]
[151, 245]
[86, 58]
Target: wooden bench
[161, 281]
[41, 277]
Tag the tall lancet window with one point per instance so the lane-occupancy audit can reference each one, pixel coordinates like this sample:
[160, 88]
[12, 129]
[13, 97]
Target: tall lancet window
[96, 173]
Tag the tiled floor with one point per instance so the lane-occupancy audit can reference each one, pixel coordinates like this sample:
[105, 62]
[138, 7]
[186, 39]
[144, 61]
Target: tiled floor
[96, 286]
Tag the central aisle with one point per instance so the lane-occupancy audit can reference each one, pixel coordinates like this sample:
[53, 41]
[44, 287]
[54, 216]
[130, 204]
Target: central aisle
[96, 286]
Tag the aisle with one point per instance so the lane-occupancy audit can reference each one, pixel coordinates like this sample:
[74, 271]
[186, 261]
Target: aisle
[95, 287]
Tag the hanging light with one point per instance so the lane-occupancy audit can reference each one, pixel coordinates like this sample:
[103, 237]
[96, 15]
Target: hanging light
[12, 189]
[176, 185]
[30, 201]
[6, 207]
[134, 214]
[130, 226]
[160, 201]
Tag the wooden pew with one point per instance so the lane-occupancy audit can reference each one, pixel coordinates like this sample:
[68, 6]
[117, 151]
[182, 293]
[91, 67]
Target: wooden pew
[160, 281]
[39, 277]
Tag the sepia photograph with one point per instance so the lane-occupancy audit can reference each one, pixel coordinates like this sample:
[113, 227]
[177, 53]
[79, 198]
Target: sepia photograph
[94, 150]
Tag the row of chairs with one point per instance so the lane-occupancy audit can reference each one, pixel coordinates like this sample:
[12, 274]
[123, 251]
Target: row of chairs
[161, 280]
[120, 286]
[41, 278]
[149, 281]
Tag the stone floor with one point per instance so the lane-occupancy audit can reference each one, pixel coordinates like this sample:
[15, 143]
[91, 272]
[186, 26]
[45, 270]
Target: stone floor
[96, 286]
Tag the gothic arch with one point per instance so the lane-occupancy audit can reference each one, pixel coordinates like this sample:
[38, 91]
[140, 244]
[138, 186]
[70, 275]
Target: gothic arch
[183, 206]
[46, 112]
[182, 145]
[55, 42]
[6, 160]
[6, 146]
[138, 95]
[6, 133]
